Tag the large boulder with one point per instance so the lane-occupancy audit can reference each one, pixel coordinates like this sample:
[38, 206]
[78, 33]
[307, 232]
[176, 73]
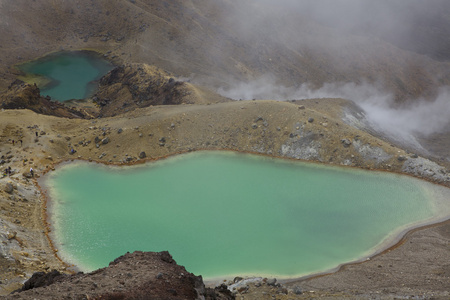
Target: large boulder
[9, 188]
[41, 279]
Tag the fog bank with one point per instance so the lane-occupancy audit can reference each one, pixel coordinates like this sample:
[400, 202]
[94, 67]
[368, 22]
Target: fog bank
[419, 117]
[414, 25]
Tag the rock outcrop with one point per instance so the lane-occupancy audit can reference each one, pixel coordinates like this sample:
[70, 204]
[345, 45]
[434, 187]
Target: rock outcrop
[138, 275]
[21, 95]
[132, 86]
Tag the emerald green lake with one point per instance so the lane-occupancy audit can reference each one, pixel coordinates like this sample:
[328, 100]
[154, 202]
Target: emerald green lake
[223, 214]
[67, 75]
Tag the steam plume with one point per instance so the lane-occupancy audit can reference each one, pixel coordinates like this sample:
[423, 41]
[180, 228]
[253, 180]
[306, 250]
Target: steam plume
[419, 117]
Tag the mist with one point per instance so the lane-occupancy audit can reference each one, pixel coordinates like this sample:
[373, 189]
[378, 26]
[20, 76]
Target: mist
[415, 118]
[412, 25]
[417, 25]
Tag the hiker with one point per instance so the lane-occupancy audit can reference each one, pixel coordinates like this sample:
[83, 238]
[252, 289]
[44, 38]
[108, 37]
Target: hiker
[13, 142]
[32, 172]
[7, 172]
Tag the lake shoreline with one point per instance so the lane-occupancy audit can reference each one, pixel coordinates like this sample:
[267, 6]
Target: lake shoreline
[391, 242]
[42, 72]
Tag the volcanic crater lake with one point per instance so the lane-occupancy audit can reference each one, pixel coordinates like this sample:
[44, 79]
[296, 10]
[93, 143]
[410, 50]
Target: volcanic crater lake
[223, 214]
[66, 75]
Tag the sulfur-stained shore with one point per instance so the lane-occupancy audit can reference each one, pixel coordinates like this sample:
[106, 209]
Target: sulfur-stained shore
[312, 130]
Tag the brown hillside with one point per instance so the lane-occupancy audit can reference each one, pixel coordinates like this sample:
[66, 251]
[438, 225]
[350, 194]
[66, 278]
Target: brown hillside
[214, 43]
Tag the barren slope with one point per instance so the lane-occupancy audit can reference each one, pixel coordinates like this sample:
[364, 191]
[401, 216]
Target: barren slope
[213, 42]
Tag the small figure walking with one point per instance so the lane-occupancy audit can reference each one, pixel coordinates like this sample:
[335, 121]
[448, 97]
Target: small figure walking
[32, 172]
[13, 142]
[36, 133]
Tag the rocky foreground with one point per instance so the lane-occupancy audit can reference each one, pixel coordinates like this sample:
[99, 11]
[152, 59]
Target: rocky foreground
[138, 275]
[418, 269]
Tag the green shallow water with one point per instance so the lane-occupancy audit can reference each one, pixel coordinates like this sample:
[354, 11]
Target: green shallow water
[223, 214]
[69, 75]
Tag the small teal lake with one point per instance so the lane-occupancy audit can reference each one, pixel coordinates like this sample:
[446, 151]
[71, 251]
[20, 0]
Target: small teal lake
[67, 75]
[222, 214]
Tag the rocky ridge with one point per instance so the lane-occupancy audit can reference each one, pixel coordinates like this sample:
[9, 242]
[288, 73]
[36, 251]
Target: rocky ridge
[138, 275]
[132, 86]
[21, 95]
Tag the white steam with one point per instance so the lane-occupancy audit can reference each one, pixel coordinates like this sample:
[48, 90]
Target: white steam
[423, 117]
[419, 117]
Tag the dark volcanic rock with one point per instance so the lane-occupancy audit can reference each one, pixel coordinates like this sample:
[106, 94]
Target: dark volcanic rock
[21, 95]
[346, 143]
[132, 86]
[137, 85]
[132, 276]
[41, 279]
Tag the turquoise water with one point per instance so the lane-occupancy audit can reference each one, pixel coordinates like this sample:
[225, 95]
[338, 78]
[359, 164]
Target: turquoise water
[70, 75]
[224, 214]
